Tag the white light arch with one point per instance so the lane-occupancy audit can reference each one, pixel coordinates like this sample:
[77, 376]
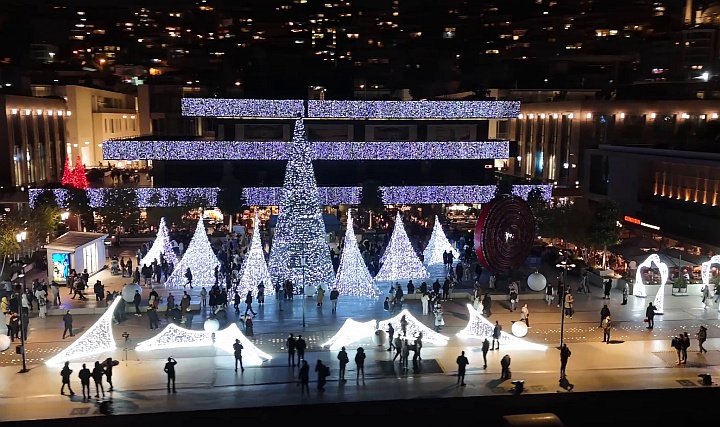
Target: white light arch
[639, 289]
[705, 272]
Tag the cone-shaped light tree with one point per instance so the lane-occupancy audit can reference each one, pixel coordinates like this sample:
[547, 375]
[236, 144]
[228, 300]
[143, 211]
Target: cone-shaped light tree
[67, 177]
[438, 244]
[199, 258]
[254, 270]
[160, 246]
[300, 251]
[353, 277]
[401, 261]
[79, 179]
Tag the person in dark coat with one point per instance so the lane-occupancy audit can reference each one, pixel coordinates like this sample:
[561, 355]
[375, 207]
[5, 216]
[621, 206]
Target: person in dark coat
[65, 374]
[136, 300]
[462, 363]
[97, 375]
[290, 345]
[304, 378]
[322, 373]
[85, 376]
[650, 314]
[605, 312]
[505, 368]
[108, 365]
[300, 346]
[170, 371]
[564, 356]
[68, 322]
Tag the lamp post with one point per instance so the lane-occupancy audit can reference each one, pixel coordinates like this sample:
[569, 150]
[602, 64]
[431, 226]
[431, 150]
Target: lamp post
[20, 237]
[565, 266]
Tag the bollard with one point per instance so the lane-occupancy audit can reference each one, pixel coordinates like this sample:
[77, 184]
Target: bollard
[706, 379]
[532, 420]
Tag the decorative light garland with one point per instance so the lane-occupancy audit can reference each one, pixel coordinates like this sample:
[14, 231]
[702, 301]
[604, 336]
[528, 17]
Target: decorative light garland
[96, 340]
[199, 257]
[479, 327]
[161, 245]
[221, 107]
[414, 327]
[280, 150]
[350, 332]
[413, 109]
[254, 269]
[437, 246]
[400, 260]
[329, 196]
[353, 277]
[299, 250]
[639, 289]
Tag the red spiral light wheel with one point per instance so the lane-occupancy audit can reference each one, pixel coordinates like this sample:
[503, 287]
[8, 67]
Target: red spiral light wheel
[504, 233]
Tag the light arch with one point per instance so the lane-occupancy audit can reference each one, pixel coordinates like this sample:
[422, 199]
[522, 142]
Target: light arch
[705, 270]
[639, 289]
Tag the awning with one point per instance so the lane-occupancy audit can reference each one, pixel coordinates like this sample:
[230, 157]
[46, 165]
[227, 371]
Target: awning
[72, 240]
[670, 262]
[684, 256]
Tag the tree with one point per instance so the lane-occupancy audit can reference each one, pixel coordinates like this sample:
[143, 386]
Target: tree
[371, 199]
[79, 179]
[437, 246]
[67, 176]
[254, 269]
[161, 245]
[353, 277]
[604, 230]
[119, 208]
[8, 243]
[199, 258]
[41, 223]
[230, 199]
[400, 259]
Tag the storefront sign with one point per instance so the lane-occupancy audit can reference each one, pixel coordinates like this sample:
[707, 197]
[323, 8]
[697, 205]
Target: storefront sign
[638, 222]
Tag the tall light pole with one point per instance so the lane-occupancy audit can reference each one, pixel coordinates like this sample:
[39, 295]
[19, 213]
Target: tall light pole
[20, 237]
[565, 266]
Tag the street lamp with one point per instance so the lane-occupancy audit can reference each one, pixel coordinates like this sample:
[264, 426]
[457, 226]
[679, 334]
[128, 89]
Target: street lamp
[20, 237]
[565, 266]
[64, 216]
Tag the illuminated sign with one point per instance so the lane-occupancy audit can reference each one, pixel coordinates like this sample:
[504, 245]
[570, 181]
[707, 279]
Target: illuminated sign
[638, 222]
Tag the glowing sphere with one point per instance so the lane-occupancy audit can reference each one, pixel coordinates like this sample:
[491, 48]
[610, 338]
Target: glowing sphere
[128, 291]
[519, 329]
[536, 282]
[380, 337]
[310, 290]
[4, 342]
[211, 325]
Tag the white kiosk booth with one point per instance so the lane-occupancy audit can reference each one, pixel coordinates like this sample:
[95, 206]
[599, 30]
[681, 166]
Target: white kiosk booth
[77, 251]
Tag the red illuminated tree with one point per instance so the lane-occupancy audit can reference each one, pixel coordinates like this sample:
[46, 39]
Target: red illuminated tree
[68, 173]
[79, 180]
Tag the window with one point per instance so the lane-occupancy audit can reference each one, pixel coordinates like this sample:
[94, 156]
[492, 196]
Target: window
[30, 164]
[42, 162]
[17, 165]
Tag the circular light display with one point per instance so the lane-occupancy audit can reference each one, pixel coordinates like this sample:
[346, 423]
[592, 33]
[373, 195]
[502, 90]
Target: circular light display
[504, 233]
[519, 329]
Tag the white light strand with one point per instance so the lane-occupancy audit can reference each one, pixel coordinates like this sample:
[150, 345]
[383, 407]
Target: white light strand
[96, 340]
[414, 109]
[479, 327]
[639, 289]
[161, 245]
[254, 269]
[438, 244]
[414, 327]
[350, 332]
[300, 251]
[400, 260]
[200, 258]
[220, 107]
[353, 277]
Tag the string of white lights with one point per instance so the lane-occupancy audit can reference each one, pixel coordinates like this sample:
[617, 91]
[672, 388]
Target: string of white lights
[199, 258]
[254, 269]
[161, 245]
[478, 327]
[436, 247]
[350, 332]
[414, 328]
[400, 260]
[353, 277]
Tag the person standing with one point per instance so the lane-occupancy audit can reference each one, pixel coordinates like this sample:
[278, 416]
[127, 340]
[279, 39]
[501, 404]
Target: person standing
[322, 373]
[334, 295]
[189, 277]
[604, 312]
[418, 347]
[65, 374]
[290, 344]
[569, 300]
[625, 294]
[320, 296]
[300, 346]
[485, 348]
[85, 376]
[525, 315]
[203, 297]
[496, 335]
[68, 322]
[462, 363]
[606, 288]
[56, 292]
[677, 345]
[425, 300]
[702, 337]
[304, 378]
[360, 364]
[685, 347]
[170, 371]
[237, 350]
[343, 359]
[564, 356]
[606, 326]
[391, 332]
[650, 314]
[487, 305]
[548, 294]
[505, 368]
[97, 374]
[108, 366]
[261, 294]
[136, 300]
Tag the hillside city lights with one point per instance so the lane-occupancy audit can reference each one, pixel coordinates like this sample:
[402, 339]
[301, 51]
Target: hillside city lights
[218, 107]
[280, 150]
[413, 109]
[96, 340]
[479, 327]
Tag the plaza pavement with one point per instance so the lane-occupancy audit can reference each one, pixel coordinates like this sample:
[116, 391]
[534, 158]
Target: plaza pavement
[637, 358]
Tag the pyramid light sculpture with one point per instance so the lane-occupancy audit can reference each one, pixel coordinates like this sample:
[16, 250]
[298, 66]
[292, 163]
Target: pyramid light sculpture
[300, 230]
[438, 244]
[199, 257]
[353, 277]
[174, 336]
[254, 270]
[414, 327]
[161, 245]
[401, 261]
[96, 340]
[351, 331]
[639, 289]
[479, 327]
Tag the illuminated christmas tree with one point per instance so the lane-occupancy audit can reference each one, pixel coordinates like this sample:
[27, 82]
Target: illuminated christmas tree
[200, 258]
[78, 178]
[254, 269]
[353, 277]
[160, 246]
[67, 177]
[401, 261]
[437, 246]
[300, 230]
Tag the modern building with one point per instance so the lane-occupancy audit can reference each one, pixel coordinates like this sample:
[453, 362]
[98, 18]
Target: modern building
[33, 137]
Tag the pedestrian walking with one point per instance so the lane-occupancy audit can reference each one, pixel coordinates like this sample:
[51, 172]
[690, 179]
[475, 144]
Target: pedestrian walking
[525, 315]
[701, 337]
[462, 363]
[485, 348]
[425, 300]
[505, 373]
[290, 344]
[604, 312]
[320, 295]
[237, 351]
[65, 374]
[304, 378]
[97, 375]
[564, 356]
[322, 373]
[300, 346]
[625, 294]
[496, 335]
[85, 376]
[334, 295]
[189, 277]
[685, 346]
[650, 315]
[360, 364]
[170, 371]
[418, 347]
[108, 366]
[68, 322]
[248, 304]
[391, 332]
[261, 294]
[548, 294]
[343, 359]
[606, 326]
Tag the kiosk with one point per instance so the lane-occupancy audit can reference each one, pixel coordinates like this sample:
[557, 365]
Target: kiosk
[77, 251]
